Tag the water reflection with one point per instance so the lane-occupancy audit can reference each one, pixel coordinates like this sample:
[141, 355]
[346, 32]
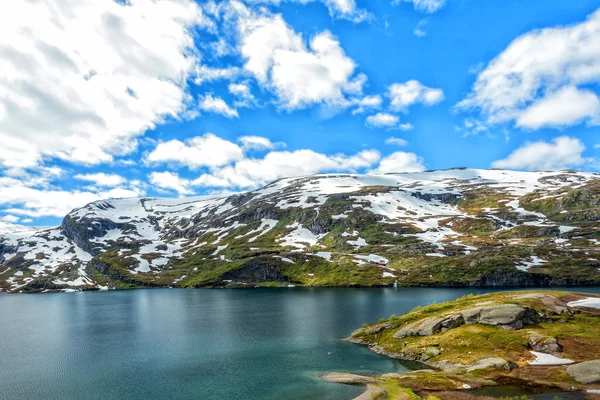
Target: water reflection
[194, 344]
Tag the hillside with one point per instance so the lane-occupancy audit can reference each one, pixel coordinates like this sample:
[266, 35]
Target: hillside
[454, 227]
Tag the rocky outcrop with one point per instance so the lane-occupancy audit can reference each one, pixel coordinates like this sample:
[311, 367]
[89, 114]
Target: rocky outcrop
[544, 344]
[585, 372]
[260, 269]
[82, 232]
[430, 326]
[507, 316]
[505, 278]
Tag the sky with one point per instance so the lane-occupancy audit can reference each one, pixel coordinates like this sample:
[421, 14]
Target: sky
[172, 98]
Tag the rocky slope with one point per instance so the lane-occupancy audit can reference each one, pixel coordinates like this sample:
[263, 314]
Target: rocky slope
[454, 227]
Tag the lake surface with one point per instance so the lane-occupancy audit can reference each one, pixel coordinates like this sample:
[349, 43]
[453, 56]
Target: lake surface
[195, 344]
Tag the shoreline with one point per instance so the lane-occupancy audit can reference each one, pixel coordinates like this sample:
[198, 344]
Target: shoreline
[568, 287]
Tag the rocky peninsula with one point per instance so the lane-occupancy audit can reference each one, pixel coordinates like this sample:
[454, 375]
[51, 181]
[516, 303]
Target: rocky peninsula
[537, 340]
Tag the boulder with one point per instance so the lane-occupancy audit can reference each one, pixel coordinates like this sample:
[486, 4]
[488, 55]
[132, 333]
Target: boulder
[508, 316]
[544, 344]
[430, 326]
[492, 362]
[585, 372]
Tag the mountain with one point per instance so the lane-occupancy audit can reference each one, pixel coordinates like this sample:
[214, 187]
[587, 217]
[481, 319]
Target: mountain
[454, 227]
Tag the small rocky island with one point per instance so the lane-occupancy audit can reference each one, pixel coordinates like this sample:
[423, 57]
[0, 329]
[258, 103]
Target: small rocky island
[530, 339]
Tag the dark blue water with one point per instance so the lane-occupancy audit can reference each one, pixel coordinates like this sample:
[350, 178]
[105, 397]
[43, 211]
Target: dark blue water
[194, 344]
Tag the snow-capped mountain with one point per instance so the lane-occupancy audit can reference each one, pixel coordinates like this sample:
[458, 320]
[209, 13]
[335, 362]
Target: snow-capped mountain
[450, 227]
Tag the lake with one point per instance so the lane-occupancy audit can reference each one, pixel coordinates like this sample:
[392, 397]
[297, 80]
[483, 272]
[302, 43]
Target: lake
[195, 344]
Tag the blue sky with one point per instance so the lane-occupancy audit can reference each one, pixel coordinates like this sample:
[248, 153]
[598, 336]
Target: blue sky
[176, 98]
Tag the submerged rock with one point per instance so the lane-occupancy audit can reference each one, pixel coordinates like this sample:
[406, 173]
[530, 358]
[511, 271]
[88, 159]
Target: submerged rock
[347, 378]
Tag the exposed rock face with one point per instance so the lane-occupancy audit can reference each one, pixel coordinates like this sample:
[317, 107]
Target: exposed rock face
[430, 326]
[544, 344]
[257, 270]
[492, 362]
[585, 372]
[508, 316]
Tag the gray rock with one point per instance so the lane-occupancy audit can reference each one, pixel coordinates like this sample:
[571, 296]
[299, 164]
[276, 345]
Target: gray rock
[544, 344]
[509, 316]
[492, 362]
[430, 326]
[372, 330]
[585, 372]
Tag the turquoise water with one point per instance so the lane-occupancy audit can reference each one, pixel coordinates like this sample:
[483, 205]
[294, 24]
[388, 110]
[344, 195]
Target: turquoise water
[194, 344]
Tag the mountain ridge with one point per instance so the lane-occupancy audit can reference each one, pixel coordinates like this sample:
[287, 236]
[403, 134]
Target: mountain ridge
[452, 227]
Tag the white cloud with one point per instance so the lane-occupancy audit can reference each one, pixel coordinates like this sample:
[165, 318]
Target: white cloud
[403, 95]
[217, 105]
[400, 162]
[207, 150]
[345, 9]
[420, 28]
[535, 78]
[299, 76]
[171, 181]
[251, 172]
[383, 120]
[204, 73]
[396, 141]
[366, 103]
[567, 106]
[257, 143]
[22, 199]
[102, 179]
[242, 92]
[79, 80]
[11, 219]
[563, 152]
[428, 6]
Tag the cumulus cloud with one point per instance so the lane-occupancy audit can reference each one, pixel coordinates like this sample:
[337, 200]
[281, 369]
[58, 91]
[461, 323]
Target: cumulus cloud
[404, 95]
[399, 162]
[80, 80]
[566, 106]
[300, 76]
[389, 121]
[383, 120]
[427, 6]
[344, 9]
[396, 141]
[208, 150]
[102, 179]
[170, 181]
[257, 143]
[217, 105]
[563, 152]
[244, 97]
[20, 199]
[367, 103]
[253, 172]
[539, 79]
[11, 219]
